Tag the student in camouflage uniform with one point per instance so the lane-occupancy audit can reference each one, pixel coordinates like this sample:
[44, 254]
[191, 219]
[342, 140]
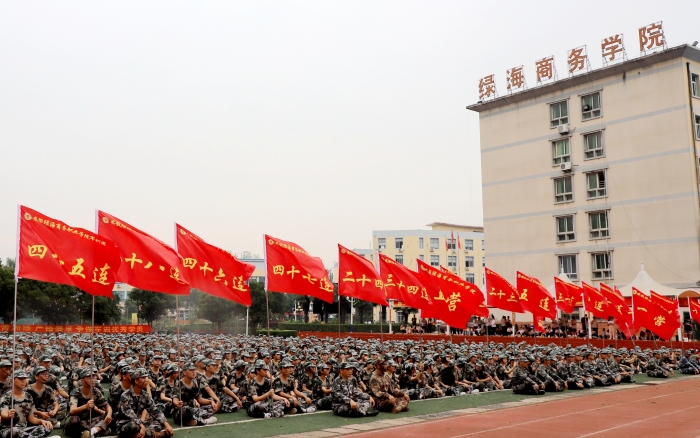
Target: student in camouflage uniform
[548, 371]
[265, 403]
[686, 366]
[577, 373]
[89, 413]
[523, 381]
[430, 387]
[195, 410]
[165, 389]
[44, 397]
[284, 387]
[385, 392]
[5, 376]
[656, 368]
[348, 400]
[21, 421]
[625, 371]
[322, 389]
[134, 402]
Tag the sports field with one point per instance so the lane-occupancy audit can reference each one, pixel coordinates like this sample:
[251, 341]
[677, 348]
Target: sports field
[493, 409]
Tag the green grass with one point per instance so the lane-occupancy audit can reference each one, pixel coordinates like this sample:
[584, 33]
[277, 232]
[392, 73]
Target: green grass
[324, 420]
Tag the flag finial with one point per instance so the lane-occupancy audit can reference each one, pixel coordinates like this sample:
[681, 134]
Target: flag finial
[642, 268]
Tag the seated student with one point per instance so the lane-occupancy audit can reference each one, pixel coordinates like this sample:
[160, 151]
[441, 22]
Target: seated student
[138, 415]
[5, 376]
[16, 421]
[385, 391]
[89, 413]
[265, 403]
[322, 389]
[348, 400]
[227, 401]
[285, 386]
[44, 397]
[165, 389]
[195, 410]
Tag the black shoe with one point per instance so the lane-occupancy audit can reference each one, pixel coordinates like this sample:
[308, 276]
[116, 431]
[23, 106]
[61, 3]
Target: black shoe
[372, 412]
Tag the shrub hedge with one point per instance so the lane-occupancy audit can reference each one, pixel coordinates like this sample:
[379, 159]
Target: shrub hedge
[317, 327]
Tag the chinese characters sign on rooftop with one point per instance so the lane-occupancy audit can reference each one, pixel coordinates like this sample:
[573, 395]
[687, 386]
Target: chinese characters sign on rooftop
[612, 50]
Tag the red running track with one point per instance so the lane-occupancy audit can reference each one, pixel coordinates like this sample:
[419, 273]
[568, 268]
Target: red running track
[668, 410]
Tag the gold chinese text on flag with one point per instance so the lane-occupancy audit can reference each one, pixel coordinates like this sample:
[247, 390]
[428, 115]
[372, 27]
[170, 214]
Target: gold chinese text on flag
[149, 264]
[213, 270]
[358, 278]
[292, 270]
[50, 250]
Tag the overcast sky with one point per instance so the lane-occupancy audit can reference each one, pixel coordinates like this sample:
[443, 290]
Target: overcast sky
[315, 122]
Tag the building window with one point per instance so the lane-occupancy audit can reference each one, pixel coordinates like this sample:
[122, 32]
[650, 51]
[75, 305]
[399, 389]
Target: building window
[468, 244]
[381, 243]
[421, 257]
[558, 113]
[590, 106]
[398, 242]
[483, 261]
[565, 229]
[695, 84]
[451, 261]
[561, 152]
[568, 265]
[399, 259]
[420, 243]
[434, 243]
[469, 278]
[451, 244]
[483, 245]
[593, 145]
[469, 262]
[435, 261]
[563, 191]
[697, 127]
[595, 185]
[598, 225]
[602, 265]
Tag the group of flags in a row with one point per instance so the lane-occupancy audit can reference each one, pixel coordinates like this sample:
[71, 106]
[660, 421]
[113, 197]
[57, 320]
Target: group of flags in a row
[49, 250]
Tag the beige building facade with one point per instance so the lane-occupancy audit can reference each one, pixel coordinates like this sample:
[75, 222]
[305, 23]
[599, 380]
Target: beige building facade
[597, 173]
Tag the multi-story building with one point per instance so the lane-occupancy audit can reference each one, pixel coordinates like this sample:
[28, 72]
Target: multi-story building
[596, 173]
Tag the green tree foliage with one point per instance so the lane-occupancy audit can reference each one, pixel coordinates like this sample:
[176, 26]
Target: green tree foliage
[106, 311]
[217, 310]
[53, 303]
[7, 295]
[279, 303]
[151, 305]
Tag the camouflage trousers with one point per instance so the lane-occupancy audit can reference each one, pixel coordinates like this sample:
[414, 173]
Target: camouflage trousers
[458, 389]
[658, 373]
[151, 426]
[526, 389]
[551, 387]
[259, 409]
[400, 404]
[506, 383]
[364, 409]
[324, 404]
[74, 425]
[428, 392]
[189, 413]
[24, 432]
[228, 404]
[689, 370]
[603, 380]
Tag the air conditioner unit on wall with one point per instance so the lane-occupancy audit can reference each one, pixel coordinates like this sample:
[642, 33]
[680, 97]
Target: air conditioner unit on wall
[564, 128]
[566, 167]
[401, 249]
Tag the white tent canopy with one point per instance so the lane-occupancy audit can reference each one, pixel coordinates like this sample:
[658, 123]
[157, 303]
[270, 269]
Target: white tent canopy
[644, 283]
[562, 276]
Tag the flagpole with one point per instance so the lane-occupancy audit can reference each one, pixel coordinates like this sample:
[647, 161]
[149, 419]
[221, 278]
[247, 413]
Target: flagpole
[247, 315]
[92, 356]
[512, 315]
[339, 315]
[381, 322]
[267, 275]
[267, 308]
[588, 319]
[14, 349]
[391, 306]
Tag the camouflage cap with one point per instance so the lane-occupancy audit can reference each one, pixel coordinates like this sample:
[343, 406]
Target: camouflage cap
[20, 374]
[39, 369]
[138, 373]
[5, 363]
[87, 372]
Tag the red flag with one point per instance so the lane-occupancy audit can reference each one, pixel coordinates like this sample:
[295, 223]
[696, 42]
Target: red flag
[459, 242]
[534, 297]
[359, 279]
[617, 308]
[594, 301]
[567, 295]
[292, 270]
[50, 250]
[400, 283]
[149, 264]
[652, 317]
[538, 324]
[671, 306]
[694, 309]
[453, 237]
[213, 270]
[447, 245]
[500, 293]
[454, 300]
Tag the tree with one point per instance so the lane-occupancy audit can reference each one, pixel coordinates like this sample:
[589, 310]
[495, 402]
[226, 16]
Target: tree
[106, 311]
[151, 305]
[361, 309]
[217, 310]
[53, 303]
[10, 263]
[258, 311]
[7, 295]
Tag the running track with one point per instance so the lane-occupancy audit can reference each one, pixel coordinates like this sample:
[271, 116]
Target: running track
[667, 410]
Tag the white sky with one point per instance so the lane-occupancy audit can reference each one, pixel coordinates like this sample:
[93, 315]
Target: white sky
[315, 122]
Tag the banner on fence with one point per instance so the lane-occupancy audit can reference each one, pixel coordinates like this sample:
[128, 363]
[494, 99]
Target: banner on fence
[46, 328]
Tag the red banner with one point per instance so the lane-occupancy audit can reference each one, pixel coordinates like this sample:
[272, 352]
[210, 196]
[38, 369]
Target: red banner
[669, 305]
[50, 250]
[694, 309]
[651, 316]
[213, 270]
[617, 306]
[292, 270]
[358, 278]
[148, 263]
[534, 297]
[568, 295]
[453, 299]
[400, 283]
[78, 329]
[594, 301]
[500, 293]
